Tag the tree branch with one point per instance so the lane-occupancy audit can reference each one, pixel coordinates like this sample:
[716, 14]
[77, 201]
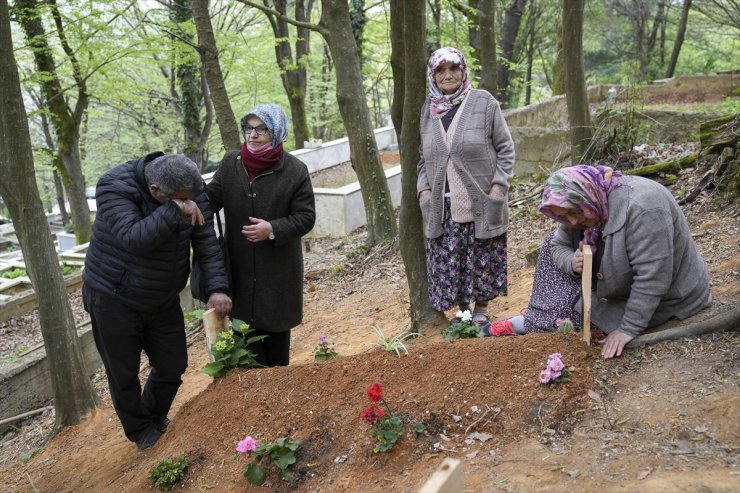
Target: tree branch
[306, 25]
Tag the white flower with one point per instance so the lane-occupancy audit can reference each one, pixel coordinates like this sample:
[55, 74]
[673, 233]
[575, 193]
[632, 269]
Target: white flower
[466, 316]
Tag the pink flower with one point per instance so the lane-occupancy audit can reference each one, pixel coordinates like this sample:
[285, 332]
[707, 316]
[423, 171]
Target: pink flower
[247, 445]
[545, 376]
[555, 363]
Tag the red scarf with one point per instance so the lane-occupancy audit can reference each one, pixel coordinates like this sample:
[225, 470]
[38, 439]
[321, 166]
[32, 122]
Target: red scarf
[258, 162]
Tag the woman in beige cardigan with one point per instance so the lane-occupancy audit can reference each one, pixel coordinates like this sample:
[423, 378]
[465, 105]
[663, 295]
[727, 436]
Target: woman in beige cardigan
[466, 166]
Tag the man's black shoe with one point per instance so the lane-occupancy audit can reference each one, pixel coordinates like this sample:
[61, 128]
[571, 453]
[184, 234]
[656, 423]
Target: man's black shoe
[147, 438]
[163, 425]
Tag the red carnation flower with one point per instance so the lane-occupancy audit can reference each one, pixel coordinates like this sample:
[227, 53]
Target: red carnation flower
[375, 393]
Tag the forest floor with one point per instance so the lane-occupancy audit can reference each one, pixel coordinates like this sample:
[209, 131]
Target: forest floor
[658, 419]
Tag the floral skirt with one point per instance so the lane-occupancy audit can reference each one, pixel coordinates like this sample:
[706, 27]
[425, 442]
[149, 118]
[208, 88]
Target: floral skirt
[462, 269]
[554, 294]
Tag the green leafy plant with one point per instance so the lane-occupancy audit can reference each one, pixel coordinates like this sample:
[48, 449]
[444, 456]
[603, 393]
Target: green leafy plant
[232, 351]
[14, 273]
[419, 428]
[168, 472]
[394, 343]
[281, 453]
[324, 350]
[387, 428]
[462, 327]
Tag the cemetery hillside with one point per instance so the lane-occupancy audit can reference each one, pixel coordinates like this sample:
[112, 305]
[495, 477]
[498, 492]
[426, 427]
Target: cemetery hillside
[382, 392]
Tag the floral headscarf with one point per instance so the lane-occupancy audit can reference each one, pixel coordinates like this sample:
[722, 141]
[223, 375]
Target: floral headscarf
[274, 119]
[441, 103]
[585, 188]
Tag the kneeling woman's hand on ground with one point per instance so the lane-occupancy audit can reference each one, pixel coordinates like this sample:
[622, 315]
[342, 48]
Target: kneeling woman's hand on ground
[614, 343]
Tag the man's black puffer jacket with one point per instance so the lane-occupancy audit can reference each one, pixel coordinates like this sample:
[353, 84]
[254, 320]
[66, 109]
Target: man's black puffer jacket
[140, 248]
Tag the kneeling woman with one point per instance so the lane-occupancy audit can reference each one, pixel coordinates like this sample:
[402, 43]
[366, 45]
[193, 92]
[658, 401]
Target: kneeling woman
[647, 268]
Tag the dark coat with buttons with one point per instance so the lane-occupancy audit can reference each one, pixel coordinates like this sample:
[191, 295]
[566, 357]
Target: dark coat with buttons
[267, 276]
[650, 270]
[139, 252]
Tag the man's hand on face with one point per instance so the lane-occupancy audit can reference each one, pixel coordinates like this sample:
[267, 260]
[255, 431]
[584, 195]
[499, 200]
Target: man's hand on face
[189, 211]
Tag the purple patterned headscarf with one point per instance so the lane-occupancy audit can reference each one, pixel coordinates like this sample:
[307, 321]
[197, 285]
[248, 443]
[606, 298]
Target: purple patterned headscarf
[274, 119]
[583, 188]
[441, 103]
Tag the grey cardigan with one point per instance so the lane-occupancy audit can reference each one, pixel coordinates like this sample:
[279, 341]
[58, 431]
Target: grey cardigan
[482, 152]
[651, 269]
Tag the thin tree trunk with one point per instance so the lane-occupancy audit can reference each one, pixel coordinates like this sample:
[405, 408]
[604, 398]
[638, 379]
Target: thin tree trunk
[558, 67]
[509, 34]
[74, 395]
[207, 123]
[408, 21]
[437, 19]
[66, 121]
[579, 116]
[188, 81]
[381, 221]
[293, 72]
[679, 39]
[487, 36]
[227, 124]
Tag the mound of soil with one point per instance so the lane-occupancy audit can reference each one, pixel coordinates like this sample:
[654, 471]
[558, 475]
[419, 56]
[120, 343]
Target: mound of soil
[658, 419]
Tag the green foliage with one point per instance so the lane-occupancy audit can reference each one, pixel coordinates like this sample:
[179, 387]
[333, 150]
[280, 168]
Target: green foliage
[281, 453]
[387, 431]
[394, 343]
[14, 273]
[231, 350]
[731, 105]
[168, 472]
[419, 428]
[462, 329]
[324, 350]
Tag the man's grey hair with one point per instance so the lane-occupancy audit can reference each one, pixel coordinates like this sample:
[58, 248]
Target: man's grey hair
[174, 173]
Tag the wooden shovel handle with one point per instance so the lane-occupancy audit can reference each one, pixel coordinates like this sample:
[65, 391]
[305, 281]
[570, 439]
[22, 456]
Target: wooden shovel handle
[586, 292]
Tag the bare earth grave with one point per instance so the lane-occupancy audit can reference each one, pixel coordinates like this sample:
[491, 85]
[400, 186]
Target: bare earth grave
[660, 418]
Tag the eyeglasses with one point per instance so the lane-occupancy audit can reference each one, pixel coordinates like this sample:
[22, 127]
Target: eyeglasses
[258, 130]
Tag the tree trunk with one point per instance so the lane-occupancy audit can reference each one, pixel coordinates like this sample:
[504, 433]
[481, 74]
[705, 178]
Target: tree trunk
[66, 122]
[408, 49]
[558, 67]
[487, 36]
[227, 124]
[188, 80]
[509, 34]
[381, 221]
[293, 72]
[74, 395]
[679, 39]
[437, 19]
[576, 97]
[398, 68]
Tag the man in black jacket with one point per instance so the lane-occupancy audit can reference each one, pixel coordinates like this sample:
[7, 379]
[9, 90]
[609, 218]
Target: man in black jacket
[150, 212]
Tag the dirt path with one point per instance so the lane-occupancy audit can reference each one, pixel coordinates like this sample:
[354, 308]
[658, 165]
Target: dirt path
[661, 418]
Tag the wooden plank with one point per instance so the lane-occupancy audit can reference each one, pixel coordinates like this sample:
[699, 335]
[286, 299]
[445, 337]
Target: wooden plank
[448, 478]
[212, 325]
[586, 292]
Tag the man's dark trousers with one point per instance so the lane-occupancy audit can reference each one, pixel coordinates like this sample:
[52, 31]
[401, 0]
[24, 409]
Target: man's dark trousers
[120, 334]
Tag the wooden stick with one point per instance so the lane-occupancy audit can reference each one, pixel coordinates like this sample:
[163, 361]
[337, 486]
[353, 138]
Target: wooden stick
[212, 325]
[448, 478]
[586, 292]
[26, 415]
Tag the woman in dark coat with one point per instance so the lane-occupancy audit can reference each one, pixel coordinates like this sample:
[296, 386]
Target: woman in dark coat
[268, 203]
